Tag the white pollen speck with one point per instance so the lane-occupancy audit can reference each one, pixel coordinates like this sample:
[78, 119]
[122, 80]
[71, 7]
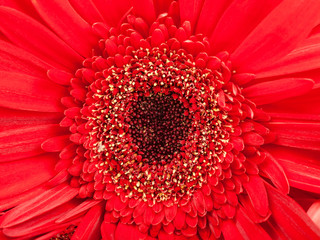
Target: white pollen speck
[101, 147]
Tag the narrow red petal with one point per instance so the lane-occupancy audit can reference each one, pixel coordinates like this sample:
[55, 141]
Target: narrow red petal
[31, 35]
[190, 11]
[108, 231]
[11, 118]
[257, 194]
[249, 229]
[60, 77]
[41, 224]
[39, 205]
[304, 58]
[273, 91]
[114, 12]
[244, 16]
[128, 232]
[66, 22]
[78, 210]
[56, 144]
[290, 217]
[25, 142]
[278, 34]
[89, 228]
[275, 173]
[87, 10]
[144, 9]
[15, 59]
[301, 167]
[296, 134]
[230, 231]
[20, 91]
[22, 175]
[210, 14]
[11, 202]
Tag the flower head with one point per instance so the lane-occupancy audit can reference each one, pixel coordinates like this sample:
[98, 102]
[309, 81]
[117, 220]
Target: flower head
[159, 119]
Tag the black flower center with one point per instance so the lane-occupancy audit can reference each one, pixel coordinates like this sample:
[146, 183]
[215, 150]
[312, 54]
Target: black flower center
[158, 124]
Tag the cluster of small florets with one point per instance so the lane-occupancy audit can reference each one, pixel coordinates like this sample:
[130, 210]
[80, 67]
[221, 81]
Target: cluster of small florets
[157, 130]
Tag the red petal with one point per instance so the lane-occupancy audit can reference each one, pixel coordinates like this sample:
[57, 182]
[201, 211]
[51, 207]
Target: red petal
[210, 14]
[279, 33]
[39, 205]
[78, 210]
[19, 91]
[296, 134]
[170, 212]
[21, 175]
[128, 232]
[290, 217]
[87, 10]
[273, 91]
[108, 231]
[11, 202]
[249, 229]
[15, 59]
[25, 142]
[41, 224]
[149, 216]
[244, 16]
[189, 10]
[257, 194]
[11, 118]
[301, 167]
[199, 202]
[180, 219]
[230, 231]
[144, 9]
[60, 77]
[89, 228]
[304, 58]
[275, 173]
[65, 21]
[114, 12]
[55, 144]
[31, 35]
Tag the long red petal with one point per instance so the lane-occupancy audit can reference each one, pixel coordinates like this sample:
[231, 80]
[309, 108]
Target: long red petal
[249, 229]
[15, 59]
[273, 91]
[22, 175]
[39, 205]
[278, 34]
[31, 35]
[257, 194]
[20, 91]
[304, 58]
[290, 217]
[89, 228]
[66, 22]
[25, 142]
[114, 12]
[302, 167]
[275, 173]
[238, 21]
[296, 134]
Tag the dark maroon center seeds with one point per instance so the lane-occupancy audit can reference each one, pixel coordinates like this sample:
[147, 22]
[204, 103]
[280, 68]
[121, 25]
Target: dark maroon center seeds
[158, 125]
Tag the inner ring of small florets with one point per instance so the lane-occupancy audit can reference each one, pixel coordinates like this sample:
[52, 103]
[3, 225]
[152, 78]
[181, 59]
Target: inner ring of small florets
[200, 130]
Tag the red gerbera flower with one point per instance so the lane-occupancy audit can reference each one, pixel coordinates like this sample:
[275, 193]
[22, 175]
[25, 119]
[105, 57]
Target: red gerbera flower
[149, 119]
